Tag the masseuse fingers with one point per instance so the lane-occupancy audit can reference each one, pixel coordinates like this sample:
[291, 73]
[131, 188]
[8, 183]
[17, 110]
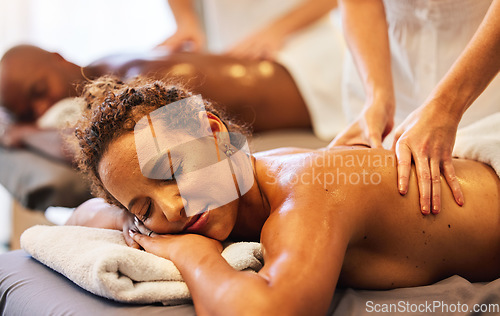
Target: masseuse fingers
[403, 154]
[451, 179]
[375, 140]
[424, 182]
[436, 186]
[373, 136]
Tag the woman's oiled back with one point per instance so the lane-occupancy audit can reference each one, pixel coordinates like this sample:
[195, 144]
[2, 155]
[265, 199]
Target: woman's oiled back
[391, 244]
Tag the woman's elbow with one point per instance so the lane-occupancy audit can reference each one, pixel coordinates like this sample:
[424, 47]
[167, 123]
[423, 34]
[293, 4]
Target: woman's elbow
[261, 300]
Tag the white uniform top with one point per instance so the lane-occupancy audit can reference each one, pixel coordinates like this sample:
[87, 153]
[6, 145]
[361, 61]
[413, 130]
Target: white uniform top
[313, 56]
[426, 37]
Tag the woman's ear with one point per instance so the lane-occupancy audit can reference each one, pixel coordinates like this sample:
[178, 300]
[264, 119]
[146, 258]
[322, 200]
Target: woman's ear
[211, 122]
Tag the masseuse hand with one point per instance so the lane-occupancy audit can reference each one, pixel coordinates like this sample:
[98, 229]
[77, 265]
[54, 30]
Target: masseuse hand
[427, 135]
[188, 37]
[370, 128]
[263, 45]
[170, 246]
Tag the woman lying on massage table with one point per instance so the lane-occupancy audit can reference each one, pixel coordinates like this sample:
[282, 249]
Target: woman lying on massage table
[324, 218]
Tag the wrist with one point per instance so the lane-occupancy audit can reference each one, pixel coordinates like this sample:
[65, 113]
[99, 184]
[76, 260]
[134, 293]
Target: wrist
[188, 20]
[279, 28]
[192, 249]
[382, 100]
[453, 102]
[379, 90]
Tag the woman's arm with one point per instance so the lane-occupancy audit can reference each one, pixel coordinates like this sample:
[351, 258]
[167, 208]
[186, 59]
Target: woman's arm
[428, 134]
[265, 43]
[303, 255]
[365, 29]
[189, 34]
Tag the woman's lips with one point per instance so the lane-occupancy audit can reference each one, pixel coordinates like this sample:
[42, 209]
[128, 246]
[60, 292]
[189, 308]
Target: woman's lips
[197, 223]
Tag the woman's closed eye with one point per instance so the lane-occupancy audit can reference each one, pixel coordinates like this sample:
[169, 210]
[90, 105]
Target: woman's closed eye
[145, 214]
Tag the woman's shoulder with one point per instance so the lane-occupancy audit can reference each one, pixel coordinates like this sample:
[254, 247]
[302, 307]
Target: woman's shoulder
[330, 182]
[288, 172]
[300, 159]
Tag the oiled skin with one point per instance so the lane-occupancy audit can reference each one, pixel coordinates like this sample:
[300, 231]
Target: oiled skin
[252, 91]
[349, 226]
[389, 242]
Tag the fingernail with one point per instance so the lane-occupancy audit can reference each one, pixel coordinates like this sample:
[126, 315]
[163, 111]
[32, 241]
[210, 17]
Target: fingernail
[425, 209]
[461, 201]
[401, 189]
[131, 233]
[435, 210]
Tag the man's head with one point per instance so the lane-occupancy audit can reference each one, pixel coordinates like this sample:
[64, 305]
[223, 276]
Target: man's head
[32, 80]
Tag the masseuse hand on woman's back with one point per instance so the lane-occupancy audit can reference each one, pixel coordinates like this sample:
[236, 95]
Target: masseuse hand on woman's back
[371, 126]
[427, 135]
[264, 44]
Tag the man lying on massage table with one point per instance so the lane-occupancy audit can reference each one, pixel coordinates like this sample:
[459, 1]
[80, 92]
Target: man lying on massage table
[33, 80]
[325, 218]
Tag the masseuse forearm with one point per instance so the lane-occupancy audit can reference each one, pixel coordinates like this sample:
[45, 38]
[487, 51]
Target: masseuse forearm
[476, 67]
[303, 15]
[365, 29]
[183, 11]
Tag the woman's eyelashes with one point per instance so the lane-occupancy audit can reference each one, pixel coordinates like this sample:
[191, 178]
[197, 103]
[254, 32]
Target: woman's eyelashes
[147, 213]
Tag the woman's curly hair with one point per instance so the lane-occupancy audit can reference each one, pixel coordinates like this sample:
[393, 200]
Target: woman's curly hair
[113, 109]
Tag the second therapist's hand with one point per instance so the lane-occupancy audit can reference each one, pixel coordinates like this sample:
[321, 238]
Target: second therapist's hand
[263, 45]
[427, 135]
[187, 38]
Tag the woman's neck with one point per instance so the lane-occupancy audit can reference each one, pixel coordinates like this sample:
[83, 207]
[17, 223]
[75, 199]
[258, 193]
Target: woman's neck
[253, 210]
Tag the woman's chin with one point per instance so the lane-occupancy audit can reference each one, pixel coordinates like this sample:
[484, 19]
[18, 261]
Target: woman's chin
[222, 221]
[218, 234]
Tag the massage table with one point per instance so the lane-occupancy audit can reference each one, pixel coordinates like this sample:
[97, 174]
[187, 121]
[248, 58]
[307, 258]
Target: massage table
[27, 287]
[36, 182]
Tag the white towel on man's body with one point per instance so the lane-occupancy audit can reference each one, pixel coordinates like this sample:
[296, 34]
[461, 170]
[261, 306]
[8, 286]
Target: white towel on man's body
[99, 261]
[480, 141]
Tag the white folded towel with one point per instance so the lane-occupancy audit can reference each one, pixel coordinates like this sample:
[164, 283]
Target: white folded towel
[62, 114]
[480, 141]
[99, 261]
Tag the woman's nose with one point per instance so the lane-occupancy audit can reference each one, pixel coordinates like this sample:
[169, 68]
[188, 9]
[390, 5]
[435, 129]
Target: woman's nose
[174, 209]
